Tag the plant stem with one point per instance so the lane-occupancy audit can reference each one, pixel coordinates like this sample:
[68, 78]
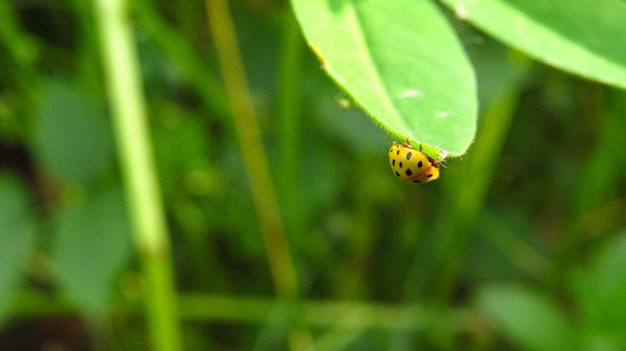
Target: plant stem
[289, 130]
[249, 134]
[470, 197]
[333, 316]
[133, 143]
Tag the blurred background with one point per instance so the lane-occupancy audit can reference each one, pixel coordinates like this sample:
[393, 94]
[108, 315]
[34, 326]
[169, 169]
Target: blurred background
[520, 245]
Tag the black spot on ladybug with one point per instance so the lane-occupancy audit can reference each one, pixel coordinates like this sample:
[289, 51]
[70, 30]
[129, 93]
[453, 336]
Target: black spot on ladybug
[408, 172]
[398, 152]
[408, 156]
[430, 175]
[400, 164]
[419, 164]
[397, 174]
[393, 162]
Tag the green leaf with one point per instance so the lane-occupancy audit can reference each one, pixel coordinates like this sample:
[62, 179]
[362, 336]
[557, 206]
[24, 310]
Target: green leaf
[601, 288]
[17, 234]
[401, 61]
[579, 36]
[92, 242]
[528, 318]
[72, 135]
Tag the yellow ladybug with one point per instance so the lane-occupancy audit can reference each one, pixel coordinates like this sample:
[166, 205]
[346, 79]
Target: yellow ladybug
[412, 165]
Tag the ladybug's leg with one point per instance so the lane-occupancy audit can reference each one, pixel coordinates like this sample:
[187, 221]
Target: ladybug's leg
[433, 162]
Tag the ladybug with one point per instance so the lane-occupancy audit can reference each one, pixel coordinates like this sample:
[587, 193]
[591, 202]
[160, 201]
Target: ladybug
[412, 165]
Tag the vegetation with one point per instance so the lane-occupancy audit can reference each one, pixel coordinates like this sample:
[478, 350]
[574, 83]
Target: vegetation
[192, 175]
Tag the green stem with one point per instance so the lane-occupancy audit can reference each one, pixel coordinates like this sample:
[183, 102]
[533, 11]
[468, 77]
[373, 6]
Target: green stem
[335, 316]
[469, 198]
[249, 134]
[288, 114]
[133, 143]
[601, 171]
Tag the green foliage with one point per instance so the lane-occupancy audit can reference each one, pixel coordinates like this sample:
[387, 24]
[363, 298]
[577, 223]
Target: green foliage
[401, 62]
[91, 244]
[528, 318]
[575, 38]
[72, 136]
[413, 78]
[600, 289]
[16, 237]
[518, 246]
[533, 319]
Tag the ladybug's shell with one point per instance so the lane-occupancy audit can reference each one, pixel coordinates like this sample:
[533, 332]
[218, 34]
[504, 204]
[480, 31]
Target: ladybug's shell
[412, 165]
